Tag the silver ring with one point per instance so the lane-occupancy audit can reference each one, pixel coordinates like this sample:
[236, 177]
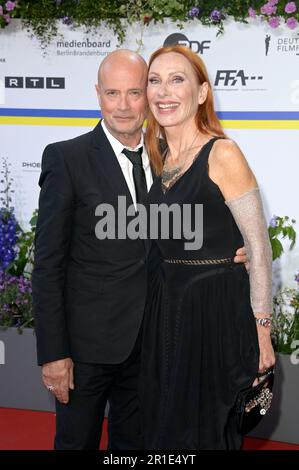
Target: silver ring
[50, 388]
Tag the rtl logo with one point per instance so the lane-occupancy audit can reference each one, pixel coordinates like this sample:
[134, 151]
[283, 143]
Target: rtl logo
[35, 82]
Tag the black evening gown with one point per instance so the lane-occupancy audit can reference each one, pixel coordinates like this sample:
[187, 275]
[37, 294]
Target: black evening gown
[200, 344]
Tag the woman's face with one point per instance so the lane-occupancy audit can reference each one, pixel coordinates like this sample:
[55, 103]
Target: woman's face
[173, 90]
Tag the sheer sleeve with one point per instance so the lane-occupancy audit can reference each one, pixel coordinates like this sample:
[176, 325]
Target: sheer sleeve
[248, 213]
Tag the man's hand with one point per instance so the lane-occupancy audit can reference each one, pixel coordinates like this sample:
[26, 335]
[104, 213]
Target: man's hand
[241, 257]
[58, 378]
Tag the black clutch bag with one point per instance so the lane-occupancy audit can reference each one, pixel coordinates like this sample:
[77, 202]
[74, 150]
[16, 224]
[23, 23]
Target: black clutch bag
[254, 402]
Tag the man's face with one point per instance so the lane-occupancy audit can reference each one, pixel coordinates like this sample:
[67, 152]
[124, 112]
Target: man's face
[122, 98]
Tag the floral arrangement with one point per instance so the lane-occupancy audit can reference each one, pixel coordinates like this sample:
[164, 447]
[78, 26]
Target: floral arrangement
[16, 258]
[285, 325]
[15, 280]
[276, 12]
[15, 301]
[41, 17]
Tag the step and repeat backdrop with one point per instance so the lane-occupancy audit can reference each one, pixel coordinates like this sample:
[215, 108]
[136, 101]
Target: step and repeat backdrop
[255, 76]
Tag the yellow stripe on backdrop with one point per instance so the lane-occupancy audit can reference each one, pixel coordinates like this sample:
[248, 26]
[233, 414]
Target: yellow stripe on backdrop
[91, 122]
[48, 121]
[260, 124]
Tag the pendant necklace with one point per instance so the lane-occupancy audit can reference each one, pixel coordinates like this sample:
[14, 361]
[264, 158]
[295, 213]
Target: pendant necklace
[173, 173]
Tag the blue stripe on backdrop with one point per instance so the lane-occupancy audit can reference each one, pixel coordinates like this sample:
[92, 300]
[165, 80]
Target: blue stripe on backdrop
[258, 115]
[93, 113]
[80, 113]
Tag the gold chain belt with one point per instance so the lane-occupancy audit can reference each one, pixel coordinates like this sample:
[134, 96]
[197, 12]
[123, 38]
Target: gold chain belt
[198, 261]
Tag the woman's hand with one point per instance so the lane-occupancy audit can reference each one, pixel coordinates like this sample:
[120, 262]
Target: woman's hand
[267, 356]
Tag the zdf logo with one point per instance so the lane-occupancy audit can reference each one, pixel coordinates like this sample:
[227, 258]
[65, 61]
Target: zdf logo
[182, 40]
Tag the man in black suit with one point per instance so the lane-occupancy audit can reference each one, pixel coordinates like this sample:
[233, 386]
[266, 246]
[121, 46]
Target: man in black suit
[89, 294]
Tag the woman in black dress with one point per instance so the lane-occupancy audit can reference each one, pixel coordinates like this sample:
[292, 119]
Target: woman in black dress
[203, 341]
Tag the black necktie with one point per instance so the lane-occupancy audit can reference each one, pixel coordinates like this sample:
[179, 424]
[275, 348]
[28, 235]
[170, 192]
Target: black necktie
[138, 174]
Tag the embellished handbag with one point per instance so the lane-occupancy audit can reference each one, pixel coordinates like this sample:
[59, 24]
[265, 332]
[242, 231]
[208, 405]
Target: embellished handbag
[254, 402]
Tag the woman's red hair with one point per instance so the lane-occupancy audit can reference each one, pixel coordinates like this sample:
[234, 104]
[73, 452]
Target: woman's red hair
[206, 119]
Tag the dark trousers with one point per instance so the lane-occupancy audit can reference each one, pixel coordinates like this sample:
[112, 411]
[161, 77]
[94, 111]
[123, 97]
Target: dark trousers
[79, 423]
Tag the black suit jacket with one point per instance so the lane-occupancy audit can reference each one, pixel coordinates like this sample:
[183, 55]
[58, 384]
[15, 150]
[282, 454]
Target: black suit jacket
[88, 294]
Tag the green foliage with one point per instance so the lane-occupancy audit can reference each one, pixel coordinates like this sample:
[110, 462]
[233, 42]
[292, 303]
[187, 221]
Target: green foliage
[23, 262]
[281, 228]
[42, 16]
[285, 325]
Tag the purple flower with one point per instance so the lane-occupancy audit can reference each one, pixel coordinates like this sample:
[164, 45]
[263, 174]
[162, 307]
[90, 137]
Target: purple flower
[10, 6]
[292, 23]
[290, 7]
[273, 2]
[274, 22]
[268, 9]
[7, 18]
[215, 15]
[297, 277]
[1, 10]
[251, 12]
[273, 221]
[18, 309]
[8, 236]
[67, 20]
[193, 12]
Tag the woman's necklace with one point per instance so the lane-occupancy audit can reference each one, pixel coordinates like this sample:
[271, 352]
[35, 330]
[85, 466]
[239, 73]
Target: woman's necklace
[173, 173]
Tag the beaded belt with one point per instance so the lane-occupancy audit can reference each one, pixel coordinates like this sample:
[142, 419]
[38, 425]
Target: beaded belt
[198, 261]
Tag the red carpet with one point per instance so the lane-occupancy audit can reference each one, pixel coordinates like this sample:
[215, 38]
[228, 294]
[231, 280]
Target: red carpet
[34, 430]
[30, 430]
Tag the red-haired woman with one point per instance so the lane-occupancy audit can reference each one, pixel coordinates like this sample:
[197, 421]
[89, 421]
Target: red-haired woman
[206, 327]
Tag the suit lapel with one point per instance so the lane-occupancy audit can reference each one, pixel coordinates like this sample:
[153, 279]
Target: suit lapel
[107, 163]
